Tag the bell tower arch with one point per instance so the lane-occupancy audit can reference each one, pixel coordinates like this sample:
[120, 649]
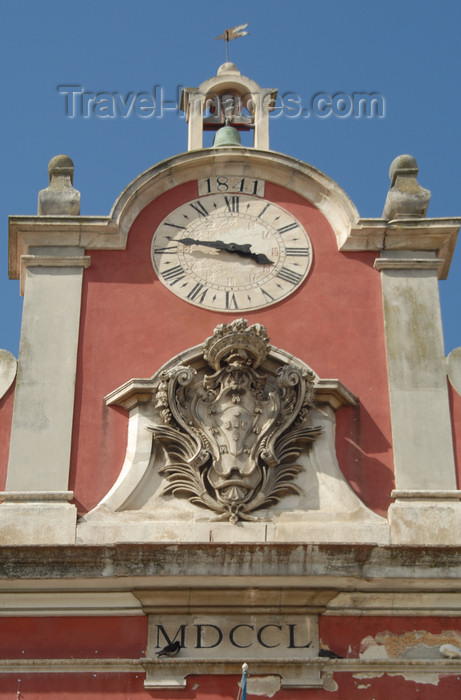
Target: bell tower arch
[228, 98]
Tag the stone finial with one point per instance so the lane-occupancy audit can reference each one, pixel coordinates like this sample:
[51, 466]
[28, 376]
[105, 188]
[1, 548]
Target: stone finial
[406, 199]
[60, 197]
[227, 69]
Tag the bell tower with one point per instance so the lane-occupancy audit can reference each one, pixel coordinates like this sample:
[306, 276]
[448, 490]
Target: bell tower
[228, 99]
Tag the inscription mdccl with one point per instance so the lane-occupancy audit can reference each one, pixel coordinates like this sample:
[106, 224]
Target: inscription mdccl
[261, 636]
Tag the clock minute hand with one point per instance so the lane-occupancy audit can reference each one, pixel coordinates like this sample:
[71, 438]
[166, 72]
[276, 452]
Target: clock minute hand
[242, 249]
[208, 244]
[217, 245]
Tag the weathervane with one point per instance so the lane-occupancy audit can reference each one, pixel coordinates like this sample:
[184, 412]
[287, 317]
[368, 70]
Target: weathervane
[233, 33]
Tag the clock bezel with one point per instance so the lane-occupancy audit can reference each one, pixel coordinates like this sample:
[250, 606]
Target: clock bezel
[277, 284]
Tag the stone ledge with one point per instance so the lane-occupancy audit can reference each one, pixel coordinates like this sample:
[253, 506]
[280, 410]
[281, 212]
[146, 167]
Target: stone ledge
[408, 264]
[36, 496]
[50, 261]
[103, 603]
[425, 518]
[258, 667]
[426, 494]
[343, 566]
[36, 517]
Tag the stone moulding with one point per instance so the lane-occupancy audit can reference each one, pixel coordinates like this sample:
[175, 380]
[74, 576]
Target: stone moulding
[159, 672]
[352, 233]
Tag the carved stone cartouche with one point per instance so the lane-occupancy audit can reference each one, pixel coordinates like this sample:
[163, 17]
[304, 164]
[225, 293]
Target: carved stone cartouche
[233, 435]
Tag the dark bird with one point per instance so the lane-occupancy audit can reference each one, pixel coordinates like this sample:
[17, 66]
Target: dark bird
[171, 649]
[328, 654]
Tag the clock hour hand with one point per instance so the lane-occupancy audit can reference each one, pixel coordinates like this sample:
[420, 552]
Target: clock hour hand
[244, 249]
[219, 245]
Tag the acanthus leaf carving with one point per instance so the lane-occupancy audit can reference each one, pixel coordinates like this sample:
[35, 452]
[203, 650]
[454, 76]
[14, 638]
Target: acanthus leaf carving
[233, 435]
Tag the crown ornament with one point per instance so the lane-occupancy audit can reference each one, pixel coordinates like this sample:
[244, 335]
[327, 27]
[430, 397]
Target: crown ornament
[236, 343]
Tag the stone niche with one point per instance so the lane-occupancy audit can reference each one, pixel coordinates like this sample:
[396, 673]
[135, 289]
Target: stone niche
[233, 440]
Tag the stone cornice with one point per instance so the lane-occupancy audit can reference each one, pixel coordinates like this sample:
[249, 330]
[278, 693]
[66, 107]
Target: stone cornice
[87, 232]
[258, 666]
[339, 566]
[352, 233]
[111, 232]
[36, 496]
[437, 235]
[408, 264]
[46, 601]
[53, 261]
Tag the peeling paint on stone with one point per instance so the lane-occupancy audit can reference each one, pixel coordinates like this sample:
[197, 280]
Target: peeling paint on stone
[371, 649]
[370, 674]
[417, 677]
[410, 675]
[417, 644]
[329, 682]
[263, 685]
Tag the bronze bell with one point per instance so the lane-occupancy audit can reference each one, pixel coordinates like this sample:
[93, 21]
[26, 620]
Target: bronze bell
[226, 136]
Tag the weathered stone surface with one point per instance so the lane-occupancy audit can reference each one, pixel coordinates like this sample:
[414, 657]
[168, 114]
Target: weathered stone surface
[420, 411]
[39, 523]
[406, 199]
[286, 639]
[8, 366]
[44, 396]
[430, 522]
[454, 369]
[347, 565]
[60, 197]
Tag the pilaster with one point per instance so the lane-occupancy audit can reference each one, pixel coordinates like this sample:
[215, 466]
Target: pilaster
[37, 495]
[427, 508]
[195, 119]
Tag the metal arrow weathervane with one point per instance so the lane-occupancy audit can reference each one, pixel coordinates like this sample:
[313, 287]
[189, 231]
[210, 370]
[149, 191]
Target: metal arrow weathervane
[233, 33]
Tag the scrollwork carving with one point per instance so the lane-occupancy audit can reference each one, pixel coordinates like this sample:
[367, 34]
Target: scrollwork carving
[233, 435]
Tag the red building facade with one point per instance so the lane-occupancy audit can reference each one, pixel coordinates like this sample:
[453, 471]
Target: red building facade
[232, 430]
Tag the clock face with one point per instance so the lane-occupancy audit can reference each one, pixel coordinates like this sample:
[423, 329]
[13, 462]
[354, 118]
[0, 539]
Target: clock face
[231, 252]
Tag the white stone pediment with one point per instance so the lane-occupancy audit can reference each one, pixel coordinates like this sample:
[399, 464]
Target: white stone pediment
[233, 440]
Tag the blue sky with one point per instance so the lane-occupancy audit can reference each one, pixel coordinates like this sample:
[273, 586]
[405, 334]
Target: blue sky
[408, 51]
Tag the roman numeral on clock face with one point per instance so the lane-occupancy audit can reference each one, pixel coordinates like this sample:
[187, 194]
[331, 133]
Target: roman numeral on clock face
[168, 223]
[228, 250]
[263, 210]
[196, 293]
[174, 274]
[297, 252]
[232, 204]
[288, 227]
[199, 208]
[169, 250]
[289, 275]
[267, 296]
[231, 301]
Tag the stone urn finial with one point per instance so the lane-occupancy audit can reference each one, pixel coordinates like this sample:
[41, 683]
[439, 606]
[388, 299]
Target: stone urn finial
[60, 197]
[406, 198]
